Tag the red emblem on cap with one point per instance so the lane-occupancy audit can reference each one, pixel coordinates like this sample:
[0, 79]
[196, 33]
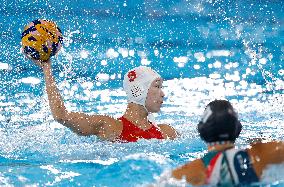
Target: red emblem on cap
[132, 76]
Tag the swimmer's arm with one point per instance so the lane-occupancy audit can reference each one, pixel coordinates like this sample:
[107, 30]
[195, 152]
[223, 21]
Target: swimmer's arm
[278, 152]
[83, 124]
[168, 131]
[263, 154]
[271, 152]
[56, 103]
[105, 127]
[194, 173]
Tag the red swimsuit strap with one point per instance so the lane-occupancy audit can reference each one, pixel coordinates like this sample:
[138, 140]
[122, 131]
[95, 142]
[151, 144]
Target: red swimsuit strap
[131, 133]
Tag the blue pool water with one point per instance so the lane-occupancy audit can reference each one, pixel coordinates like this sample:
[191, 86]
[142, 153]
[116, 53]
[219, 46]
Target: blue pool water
[204, 49]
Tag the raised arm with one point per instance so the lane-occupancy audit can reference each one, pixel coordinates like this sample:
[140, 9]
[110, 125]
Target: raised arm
[56, 103]
[83, 124]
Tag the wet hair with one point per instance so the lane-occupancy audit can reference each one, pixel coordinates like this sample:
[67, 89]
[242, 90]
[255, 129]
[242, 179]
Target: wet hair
[219, 122]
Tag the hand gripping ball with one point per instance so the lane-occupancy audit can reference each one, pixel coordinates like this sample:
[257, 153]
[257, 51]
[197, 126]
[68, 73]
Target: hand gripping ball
[41, 39]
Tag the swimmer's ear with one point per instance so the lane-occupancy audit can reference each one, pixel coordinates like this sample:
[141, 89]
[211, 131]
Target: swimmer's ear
[239, 127]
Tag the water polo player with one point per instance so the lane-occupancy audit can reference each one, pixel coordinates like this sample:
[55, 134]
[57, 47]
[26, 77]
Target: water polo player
[42, 39]
[225, 165]
[144, 92]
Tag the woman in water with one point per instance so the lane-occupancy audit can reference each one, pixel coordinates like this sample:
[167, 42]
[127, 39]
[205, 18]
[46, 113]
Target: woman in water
[225, 165]
[143, 87]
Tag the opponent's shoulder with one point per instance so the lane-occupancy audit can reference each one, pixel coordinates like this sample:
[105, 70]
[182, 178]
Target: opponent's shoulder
[266, 147]
[168, 131]
[264, 153]
[194, 172]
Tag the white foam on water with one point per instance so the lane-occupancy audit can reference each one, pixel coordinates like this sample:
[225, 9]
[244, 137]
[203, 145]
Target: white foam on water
[274, 174]
[102, 162]
[59, 174]
[30, 80]
[160, 159]
[4, 66]
[166, 180]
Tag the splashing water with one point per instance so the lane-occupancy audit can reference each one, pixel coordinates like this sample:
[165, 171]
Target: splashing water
[204, 50]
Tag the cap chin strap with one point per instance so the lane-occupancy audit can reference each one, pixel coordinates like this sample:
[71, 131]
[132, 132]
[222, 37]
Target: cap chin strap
[151, 118]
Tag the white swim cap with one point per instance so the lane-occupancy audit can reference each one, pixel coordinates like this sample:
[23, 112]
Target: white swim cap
[137, 82]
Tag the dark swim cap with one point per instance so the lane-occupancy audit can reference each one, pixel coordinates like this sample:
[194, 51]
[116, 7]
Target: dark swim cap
[219, 122]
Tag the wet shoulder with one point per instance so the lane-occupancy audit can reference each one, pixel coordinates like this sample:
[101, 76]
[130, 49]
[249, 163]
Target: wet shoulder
[194, 172]
[266, 153]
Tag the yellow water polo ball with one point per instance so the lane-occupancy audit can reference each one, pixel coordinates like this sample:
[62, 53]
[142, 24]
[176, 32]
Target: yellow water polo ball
[41, 39]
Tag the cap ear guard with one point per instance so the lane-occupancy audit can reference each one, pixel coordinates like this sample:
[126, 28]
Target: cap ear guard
[239, 128]
[136, 91]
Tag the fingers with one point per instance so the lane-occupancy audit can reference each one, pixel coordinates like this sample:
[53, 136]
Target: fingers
[39, 63]
[25, 54]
